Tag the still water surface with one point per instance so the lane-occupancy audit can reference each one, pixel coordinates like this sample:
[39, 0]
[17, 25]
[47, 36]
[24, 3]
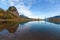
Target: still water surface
[35, 30]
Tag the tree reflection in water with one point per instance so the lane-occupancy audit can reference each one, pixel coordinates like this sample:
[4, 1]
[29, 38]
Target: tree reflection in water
[10, 26]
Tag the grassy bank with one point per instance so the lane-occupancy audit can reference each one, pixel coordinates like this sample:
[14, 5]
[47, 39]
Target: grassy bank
[20, 20]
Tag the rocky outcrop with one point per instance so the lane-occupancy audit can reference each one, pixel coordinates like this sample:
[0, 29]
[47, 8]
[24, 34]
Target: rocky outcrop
[13, 11]
[9, 14]
[1, 9]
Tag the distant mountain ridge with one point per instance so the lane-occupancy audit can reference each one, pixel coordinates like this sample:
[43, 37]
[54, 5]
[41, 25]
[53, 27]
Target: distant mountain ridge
[55, 19]
[56, 16]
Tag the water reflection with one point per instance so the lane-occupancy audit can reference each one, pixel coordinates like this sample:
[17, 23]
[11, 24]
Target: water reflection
[29, 31]
[10, 26]
[54, 22]
[22, 23]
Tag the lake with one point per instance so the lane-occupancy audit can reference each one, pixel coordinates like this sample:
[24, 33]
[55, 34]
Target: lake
[34, 30]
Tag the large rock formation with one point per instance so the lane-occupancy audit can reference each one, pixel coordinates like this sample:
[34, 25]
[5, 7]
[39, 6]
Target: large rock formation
[3, 14]
[13, 10]
[9, 14]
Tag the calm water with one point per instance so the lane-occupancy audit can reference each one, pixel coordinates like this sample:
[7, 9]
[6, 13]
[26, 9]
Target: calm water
[35, 30]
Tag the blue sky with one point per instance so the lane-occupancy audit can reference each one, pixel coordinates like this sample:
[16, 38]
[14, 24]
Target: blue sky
[34, 8]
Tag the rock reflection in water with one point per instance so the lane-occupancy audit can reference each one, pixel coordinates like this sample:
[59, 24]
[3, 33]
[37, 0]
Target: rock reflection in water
[29, 31]
[10, 26]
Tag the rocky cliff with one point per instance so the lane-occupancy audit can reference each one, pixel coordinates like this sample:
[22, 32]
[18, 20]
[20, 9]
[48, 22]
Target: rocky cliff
[13, 11]
[10, 13]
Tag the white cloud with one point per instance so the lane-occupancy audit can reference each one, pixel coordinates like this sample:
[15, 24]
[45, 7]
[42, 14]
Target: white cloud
[11, 3]
[23, 6]
[24, 10]
[53, 1]
[16, 0]
[3, 2]
[20, 5]
[7, 2]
